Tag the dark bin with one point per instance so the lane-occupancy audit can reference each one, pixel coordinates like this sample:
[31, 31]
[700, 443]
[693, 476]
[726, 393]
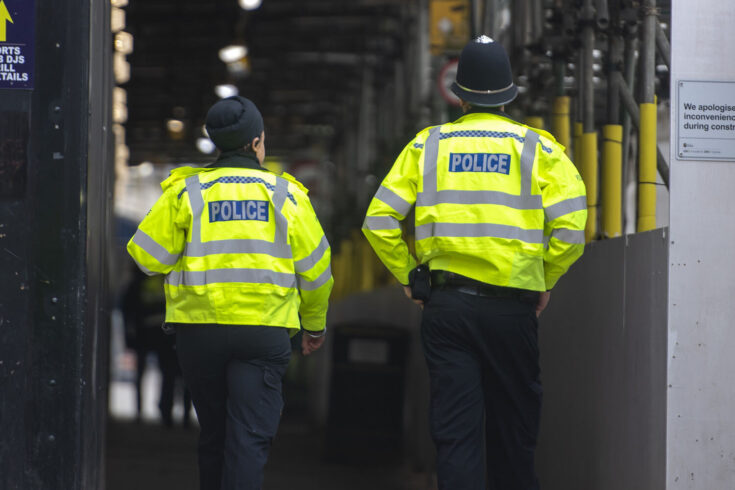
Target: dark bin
[365, 421]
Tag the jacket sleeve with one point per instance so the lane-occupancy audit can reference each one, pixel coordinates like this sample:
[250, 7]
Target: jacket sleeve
[312, 262]
[565, 209]
[391, 204]
[160, 238]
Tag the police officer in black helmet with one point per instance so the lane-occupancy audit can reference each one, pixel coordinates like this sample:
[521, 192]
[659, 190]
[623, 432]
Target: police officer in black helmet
[500, 213]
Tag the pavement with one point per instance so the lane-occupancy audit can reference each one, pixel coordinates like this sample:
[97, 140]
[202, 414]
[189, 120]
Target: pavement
[145, 455]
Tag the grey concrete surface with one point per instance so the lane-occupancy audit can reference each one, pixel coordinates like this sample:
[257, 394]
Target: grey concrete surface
[150, 456]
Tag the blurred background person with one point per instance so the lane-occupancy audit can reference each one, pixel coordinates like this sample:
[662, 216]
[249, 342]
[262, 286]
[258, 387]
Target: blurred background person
[144, 308]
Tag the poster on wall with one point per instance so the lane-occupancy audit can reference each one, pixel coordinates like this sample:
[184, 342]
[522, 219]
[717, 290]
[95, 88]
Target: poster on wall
[17, 38]
[706, 120]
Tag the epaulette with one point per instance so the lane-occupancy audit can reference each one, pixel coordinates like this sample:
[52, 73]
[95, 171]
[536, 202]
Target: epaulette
[293, 180]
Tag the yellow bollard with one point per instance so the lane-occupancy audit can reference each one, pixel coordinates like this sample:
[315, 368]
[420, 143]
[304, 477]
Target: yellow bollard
[347, 257]
[535, 122]
[337, 274]
[367, 266]
[588, 169]
[560, 123]
[612, 180]
[647, 168]
[577, 155]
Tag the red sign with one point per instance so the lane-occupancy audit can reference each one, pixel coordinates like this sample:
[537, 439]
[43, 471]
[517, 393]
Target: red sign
[447, 76]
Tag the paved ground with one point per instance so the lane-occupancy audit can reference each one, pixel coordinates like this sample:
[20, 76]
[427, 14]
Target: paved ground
[149, 456]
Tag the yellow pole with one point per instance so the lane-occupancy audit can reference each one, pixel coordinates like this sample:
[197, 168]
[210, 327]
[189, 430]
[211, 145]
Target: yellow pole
[577, 156]
[612, 180]
[588, 169]
[560, 123]
[347, 256]
[365, 256]
[647, 168]
[535, 122]
[337, 274]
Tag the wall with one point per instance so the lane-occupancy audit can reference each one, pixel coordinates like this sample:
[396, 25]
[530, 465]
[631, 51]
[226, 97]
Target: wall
[701, 347]
[603, 348]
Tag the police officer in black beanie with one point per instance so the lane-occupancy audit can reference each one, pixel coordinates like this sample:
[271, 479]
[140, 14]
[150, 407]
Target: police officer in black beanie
[247, 266]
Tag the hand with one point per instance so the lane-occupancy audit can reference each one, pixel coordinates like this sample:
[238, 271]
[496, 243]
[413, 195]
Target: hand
[407, 290]
[309, 344]
[543, 301]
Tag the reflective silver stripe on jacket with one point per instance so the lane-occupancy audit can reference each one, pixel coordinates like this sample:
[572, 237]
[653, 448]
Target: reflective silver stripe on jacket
[194, 189]
[493, 230]
[381, 223]
[303, 265]
[154, 249]
[239, 246]
[565, 207]
[568, 236]
[399, 205]
[481, 197]
[431, 155]
[213, 276]
[528, 157]
[279, 199]
[316, 283]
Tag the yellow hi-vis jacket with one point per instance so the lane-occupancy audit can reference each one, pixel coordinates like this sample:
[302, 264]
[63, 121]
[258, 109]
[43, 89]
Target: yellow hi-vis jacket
[238, 246]
[495, 201]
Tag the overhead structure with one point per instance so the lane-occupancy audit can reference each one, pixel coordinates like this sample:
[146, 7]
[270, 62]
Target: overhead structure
[305, 64]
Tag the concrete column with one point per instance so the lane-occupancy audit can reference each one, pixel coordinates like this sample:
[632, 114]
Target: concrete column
[700, 439]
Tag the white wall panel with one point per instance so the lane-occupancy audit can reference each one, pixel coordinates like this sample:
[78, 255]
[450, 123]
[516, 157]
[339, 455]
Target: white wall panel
[701, 345]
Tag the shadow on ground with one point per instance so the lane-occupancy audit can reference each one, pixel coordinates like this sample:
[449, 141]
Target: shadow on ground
[151, 457]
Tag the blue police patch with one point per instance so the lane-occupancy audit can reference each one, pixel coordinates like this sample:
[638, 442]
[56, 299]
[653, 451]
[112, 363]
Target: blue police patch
[238, 210]
[480, 162]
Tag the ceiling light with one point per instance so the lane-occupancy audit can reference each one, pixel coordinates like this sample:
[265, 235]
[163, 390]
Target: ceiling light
[123, 42]
[117, 19]
[239, 68]
[205, 145]
[232, 53]
[225, 90]
[145, 169]
[120, 68]
[249, 4]
[175, 125]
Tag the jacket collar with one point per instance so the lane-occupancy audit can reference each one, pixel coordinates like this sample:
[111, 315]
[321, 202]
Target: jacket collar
[236, 158]
[488, 110]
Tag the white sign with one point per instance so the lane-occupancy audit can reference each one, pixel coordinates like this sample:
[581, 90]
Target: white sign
[706, 122]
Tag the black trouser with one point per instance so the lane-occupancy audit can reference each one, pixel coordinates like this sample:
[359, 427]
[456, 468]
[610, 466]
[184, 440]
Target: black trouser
[482, 355]
[234, 374]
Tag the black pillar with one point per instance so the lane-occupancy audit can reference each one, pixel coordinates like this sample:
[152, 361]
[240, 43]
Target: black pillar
[55, 198]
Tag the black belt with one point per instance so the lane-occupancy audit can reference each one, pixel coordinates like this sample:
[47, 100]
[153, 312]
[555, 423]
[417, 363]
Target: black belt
[444, 280]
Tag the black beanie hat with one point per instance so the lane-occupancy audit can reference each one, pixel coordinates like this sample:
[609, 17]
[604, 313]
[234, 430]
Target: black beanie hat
[232, 123]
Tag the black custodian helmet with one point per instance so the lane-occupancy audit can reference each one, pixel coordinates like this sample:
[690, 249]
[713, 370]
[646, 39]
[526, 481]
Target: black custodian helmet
[484, 76]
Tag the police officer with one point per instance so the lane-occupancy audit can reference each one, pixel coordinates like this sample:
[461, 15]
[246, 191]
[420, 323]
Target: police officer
[499, 214]
[246, 265]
